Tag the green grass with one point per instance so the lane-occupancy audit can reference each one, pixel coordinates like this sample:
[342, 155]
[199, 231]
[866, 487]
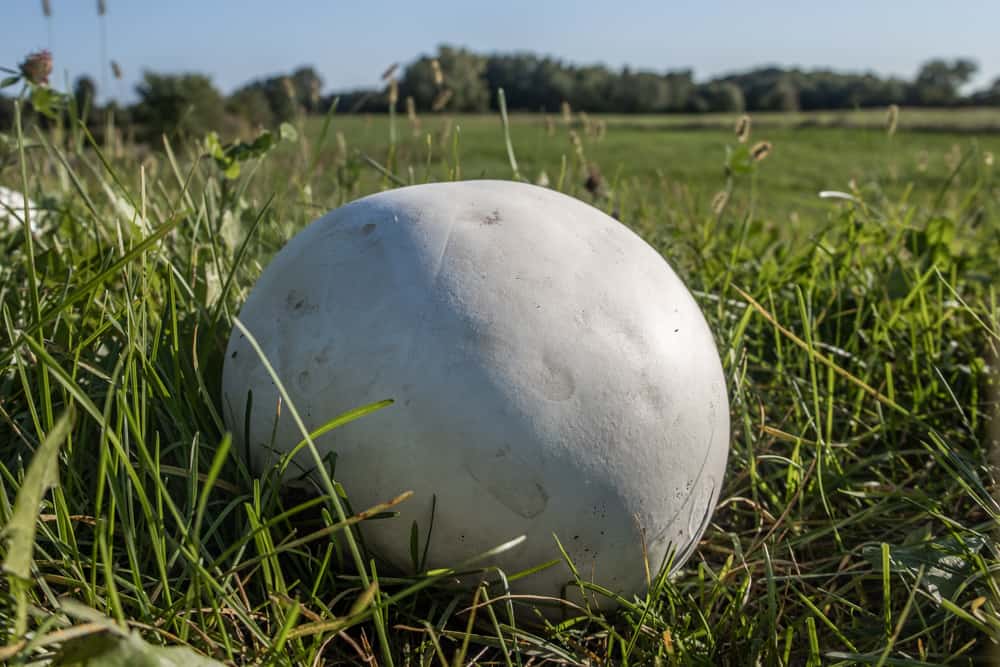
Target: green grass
[979, 120]
[649, 156]
[856, 525]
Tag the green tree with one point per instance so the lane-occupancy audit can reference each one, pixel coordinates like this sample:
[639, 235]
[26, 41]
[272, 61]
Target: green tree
[308, 85]
[783, 96]
[517, 74]
[252, 106]
[464, 75]
[938, 81]
[85, 94]
[535, 83]
[177, 105]
[284, 96]
[418, 82]
[718, 96]
[592, 89]
[988, 96]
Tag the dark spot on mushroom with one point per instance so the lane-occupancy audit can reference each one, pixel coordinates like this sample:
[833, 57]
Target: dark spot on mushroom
[298, 304]
[676, 330]
[493, 218]
[368, 229]
[576, 537]
[233, 355]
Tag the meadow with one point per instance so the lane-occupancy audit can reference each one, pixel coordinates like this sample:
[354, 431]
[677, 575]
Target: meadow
[858, 332]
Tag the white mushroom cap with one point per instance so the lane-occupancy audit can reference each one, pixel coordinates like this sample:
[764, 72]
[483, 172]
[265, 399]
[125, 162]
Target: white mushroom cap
[552, 375]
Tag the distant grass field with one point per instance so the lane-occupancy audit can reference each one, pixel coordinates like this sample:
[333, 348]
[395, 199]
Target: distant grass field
[978, 120]
[859, 336]
[665, 157]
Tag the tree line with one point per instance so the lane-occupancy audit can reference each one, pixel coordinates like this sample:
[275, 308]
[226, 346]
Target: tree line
[536, 83]
[459, 80]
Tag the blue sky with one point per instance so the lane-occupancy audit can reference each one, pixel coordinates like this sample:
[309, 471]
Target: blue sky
[351, 43]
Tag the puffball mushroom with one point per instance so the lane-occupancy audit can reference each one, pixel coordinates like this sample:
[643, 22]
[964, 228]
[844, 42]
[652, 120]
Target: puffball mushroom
[551, 376]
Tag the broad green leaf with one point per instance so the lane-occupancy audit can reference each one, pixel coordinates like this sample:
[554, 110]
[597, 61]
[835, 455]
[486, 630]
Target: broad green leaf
[263, 143]
[212, 145]
[42, 474]
[46, 101]
[111, 650]
[739, 160]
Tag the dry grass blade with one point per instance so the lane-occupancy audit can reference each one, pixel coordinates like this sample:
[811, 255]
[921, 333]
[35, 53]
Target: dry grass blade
[891, 119]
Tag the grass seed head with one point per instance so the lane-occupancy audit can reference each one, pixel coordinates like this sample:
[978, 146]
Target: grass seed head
[988, 158]
[719, 202]
[595, 182]
[116, 70]
[576, 142]
[760, 150]
[102, 8]
[47, 8]
[442, 99]
[341, 144]
[892, 119]
[289, 87]
[444, 135]
[743, 129]
[411, 115]
[438, 74]
[567, 112]
[389, 71]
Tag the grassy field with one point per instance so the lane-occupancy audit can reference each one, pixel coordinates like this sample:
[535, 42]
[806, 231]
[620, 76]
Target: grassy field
[978, 120]
[859, 336]
[650, 156]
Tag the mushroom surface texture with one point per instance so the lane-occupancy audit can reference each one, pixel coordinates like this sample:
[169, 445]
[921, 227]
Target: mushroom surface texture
[551, 376]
